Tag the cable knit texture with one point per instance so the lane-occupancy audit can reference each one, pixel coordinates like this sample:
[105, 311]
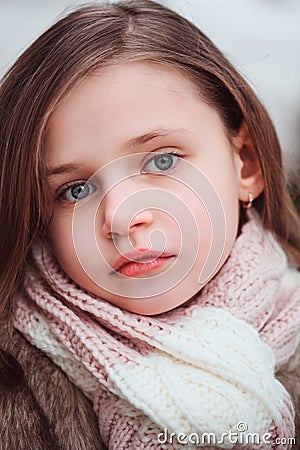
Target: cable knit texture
[203, 368]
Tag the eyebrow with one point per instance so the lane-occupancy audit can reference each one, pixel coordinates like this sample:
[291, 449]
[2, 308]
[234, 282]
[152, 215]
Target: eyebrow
[147, 137]
[63, 169]
[131, 143]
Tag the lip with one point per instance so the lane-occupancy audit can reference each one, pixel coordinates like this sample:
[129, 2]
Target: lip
[139, 262]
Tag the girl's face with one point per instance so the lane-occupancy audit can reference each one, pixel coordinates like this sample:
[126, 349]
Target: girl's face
[145, 181]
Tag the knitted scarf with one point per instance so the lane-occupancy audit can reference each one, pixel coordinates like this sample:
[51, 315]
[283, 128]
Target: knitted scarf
[204, 369]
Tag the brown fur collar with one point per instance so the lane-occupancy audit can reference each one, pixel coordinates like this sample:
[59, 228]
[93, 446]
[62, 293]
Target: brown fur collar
[42, 409]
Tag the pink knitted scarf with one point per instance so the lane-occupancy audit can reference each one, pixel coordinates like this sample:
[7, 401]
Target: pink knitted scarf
[206, 367]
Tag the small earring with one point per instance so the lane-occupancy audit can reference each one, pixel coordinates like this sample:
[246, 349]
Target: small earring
[248, 203]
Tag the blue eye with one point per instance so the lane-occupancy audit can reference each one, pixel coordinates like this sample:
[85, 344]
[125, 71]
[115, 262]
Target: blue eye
[161, 163]
[77, 192]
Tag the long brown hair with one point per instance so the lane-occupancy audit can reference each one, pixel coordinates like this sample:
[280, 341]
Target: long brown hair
[86, 40]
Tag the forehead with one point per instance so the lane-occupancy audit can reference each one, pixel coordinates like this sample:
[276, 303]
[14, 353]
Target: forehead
[125, 81]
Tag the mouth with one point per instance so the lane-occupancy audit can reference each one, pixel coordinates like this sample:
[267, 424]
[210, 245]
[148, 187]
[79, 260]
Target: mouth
[138, 263]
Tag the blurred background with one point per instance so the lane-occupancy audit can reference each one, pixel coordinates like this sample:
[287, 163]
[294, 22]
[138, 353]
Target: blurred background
[260, 37]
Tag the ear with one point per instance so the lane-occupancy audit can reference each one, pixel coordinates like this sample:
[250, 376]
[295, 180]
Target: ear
[247, 164]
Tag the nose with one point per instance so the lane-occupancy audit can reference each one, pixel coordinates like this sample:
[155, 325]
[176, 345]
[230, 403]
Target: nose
[121, 212]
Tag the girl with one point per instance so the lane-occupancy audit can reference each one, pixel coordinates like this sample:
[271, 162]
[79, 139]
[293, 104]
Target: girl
[143, 303]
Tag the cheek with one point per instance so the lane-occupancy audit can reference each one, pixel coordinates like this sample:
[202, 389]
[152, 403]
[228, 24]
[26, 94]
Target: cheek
[60, 235]
[226, 184]
[202, 220]
[196, 229]
[61, 239]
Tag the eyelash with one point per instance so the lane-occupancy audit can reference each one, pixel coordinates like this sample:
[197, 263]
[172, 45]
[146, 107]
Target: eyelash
[64, 189]
[174, 152]
[69, 186]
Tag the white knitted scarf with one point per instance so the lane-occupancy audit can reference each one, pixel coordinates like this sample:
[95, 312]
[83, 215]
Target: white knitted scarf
[206, 367]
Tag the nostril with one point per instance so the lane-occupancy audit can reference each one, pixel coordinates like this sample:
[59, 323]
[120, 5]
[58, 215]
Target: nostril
[137, 225]
[141, 219]
[116, 223]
